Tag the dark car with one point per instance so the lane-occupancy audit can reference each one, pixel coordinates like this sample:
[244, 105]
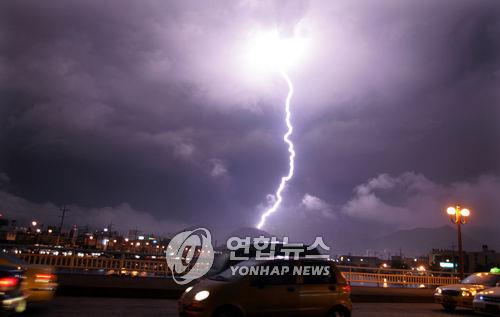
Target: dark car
[11, 294]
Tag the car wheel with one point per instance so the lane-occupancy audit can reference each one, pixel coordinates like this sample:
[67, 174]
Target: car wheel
[339, 312]
[449, 308]
[227, 312]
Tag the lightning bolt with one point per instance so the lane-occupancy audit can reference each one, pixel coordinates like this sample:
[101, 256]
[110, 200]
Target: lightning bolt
[286, 138]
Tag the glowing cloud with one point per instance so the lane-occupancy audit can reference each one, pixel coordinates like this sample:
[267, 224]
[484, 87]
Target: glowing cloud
[268, 51]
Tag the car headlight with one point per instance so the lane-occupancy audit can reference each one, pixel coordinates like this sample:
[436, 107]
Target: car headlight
[188, 289]
[439, 290]
[201, 295]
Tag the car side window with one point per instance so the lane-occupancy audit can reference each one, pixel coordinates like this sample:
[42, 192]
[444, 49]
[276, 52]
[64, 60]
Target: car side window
[318, 273]
[285, 274]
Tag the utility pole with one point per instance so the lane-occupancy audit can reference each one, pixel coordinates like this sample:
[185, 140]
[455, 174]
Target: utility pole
[64, 210]
[453, 257]
[460, 250]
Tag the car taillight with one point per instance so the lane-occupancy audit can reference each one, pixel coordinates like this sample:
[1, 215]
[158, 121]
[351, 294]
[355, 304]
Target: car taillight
[346, 288]
[44, 277]
[8, 281]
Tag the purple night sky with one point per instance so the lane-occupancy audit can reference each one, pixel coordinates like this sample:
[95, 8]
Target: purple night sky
[141, 113]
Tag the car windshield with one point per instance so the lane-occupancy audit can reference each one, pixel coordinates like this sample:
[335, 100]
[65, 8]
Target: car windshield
[227, 275]
[482, 279]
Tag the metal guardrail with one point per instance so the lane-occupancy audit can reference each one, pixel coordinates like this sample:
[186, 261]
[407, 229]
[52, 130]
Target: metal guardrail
[370, 276]
[91, 263]
[396, 279]
[385, 277]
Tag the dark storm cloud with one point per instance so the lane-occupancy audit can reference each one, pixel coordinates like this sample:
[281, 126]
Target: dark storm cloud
[106, 103]
[144, 107]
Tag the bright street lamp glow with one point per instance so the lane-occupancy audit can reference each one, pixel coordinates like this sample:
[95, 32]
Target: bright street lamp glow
[465, 212]
[34, 223]
[451, 211]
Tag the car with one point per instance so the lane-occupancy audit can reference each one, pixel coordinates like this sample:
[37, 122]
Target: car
[488, 301]
[232, 293]
[223, 259]
[11, 293]
[462, 294]
[41, 280]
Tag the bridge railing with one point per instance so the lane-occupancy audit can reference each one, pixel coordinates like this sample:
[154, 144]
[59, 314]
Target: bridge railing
[368, 276]
[388, 277]
[93, 263]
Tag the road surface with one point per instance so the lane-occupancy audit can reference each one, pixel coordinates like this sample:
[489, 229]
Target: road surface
[128, 307]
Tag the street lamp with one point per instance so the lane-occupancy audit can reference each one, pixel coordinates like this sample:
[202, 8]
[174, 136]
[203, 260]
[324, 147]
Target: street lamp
[459, 216]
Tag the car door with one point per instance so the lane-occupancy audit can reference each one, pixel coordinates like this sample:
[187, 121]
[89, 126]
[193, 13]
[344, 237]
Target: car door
[273, 295]
[317, 289]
